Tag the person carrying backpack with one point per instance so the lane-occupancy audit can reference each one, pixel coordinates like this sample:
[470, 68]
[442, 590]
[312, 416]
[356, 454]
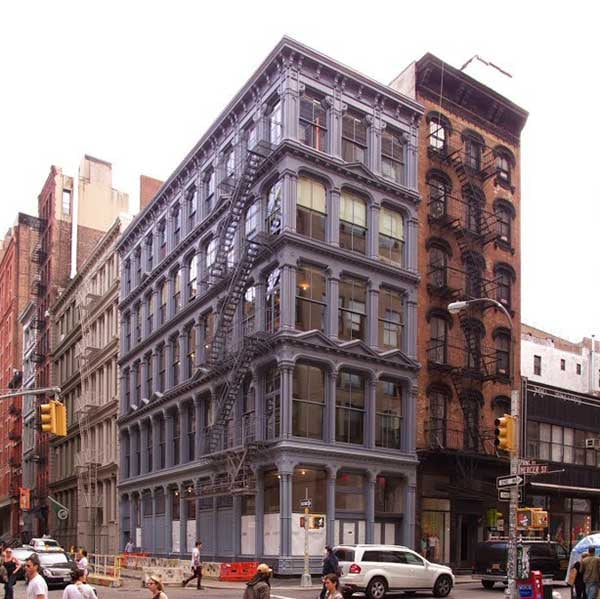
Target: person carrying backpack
[259, 587]
[330, 566]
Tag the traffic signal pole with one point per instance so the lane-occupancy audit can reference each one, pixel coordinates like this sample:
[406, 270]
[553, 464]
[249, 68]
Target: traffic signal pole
[511, 566]
[43, 391]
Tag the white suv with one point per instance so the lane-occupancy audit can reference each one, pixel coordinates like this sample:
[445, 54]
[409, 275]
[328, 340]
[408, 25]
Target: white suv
[377, 569]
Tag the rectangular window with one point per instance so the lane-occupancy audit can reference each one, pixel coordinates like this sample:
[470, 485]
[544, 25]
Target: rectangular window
[388, 425]
[138, 322]
[162, 298]
[311, 298]
[354, 138]
[229, 162]
[191, 350]
[390, 319]
[66, 201]
[191, 432]
[273, 301]
[391, 236]
[472, 154]
[275, 124]
[192, 278]
[313, 123]
[437, 134]
[311, 208]
[137, 371]
[176, 214]
[537, 365]
[350, 408]
[308, 401]
[177, 290]
[149, 381]
[162, 443]
[392, 156]
[562, 364]
[249, 311]
[149, 314]
[176, 439]
[352, 309]
[578, 368]
[175, 364]
[162, 240]
[272, 403]
[162, 367]
[209, 191]
[438, 344]
[273, 220]
[191, 199]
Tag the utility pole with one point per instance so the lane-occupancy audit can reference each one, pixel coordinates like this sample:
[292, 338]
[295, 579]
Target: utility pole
[511, 566]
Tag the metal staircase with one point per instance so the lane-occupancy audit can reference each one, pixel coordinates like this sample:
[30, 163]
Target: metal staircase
[221, 357]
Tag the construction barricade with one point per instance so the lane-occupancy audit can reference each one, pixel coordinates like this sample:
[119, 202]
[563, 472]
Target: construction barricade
[104, 570]
[210, 569]
[170, 575]
[238, 571]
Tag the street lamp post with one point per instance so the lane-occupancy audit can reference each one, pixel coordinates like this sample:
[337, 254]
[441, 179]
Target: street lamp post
[511, 567]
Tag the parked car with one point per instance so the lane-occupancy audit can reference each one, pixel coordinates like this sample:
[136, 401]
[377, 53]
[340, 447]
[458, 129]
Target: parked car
[56, 567]
[45, 544]
[549, 557]
[379, 569]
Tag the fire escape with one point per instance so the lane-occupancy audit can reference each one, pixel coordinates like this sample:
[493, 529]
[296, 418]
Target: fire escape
[473, 227]
[223, 358]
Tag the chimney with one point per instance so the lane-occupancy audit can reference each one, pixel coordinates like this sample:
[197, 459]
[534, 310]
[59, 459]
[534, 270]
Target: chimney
[148, 189]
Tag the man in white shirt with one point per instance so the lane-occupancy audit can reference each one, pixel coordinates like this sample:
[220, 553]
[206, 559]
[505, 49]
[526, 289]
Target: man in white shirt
[196, 566]
[36, 585]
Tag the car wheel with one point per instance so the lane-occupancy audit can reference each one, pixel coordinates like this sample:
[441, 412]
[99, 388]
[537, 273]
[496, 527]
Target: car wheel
[488, 584]
[442, 586]
[377, 588]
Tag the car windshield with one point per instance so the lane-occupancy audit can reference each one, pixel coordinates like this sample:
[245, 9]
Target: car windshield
[54, 559]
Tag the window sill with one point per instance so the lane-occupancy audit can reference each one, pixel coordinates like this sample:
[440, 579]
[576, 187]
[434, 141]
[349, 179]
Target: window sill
[504, 245]
[499, 182]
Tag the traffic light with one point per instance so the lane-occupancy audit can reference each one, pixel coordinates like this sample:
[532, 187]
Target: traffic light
[54, 418]
[505, 433]
[540, 518]
[317, 522]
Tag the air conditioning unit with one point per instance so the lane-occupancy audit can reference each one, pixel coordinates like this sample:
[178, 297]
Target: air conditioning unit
[592, 443]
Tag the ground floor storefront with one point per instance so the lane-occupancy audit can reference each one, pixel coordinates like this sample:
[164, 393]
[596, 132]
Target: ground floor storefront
[349, 503]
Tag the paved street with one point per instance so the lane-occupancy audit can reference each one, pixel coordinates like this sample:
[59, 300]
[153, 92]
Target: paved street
[132, 591]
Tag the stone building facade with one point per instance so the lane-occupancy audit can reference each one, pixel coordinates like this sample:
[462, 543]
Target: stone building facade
[84, 464]
[268, 324]
[469, 247]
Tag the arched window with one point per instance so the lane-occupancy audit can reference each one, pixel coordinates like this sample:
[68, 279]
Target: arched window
[192, 286]
[251, 222]
[439, 189]
[311, 208]
[388, 415]
[162, 301]
[438, 340]
[505, 275]
[474, 214]
[438, 414]
[439, 131]
[391, 236]
[390, 319]
[350, 407]
[503, 217]
[501, 406]
[273, 301]
[273, 220]
[438, 268]
[392, 155]
[249, 311]
[473, 149]
[311, 298]
[313, 122]
[352, 309]
[353, 222]
[505, 161]
[177, 276]
[275, 123]
[354, 138]
[308, 401]
[502, 340]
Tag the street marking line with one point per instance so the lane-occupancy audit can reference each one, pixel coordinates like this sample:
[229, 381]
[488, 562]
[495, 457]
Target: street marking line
[281, 597]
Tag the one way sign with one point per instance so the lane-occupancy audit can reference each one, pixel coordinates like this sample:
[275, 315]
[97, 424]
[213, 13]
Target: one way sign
[512, 480]
[504, 495]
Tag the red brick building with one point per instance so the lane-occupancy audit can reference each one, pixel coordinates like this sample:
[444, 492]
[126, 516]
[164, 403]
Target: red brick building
[15, 280]
[469, 247]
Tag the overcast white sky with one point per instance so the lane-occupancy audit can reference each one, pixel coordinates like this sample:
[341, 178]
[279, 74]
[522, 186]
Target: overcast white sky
[137, 83]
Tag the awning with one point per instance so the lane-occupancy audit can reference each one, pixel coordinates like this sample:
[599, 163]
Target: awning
[564, 488]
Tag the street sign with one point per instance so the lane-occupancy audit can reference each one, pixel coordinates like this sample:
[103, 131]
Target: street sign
[511, 480]
[504, 495]
[532, 467]
[306, 503]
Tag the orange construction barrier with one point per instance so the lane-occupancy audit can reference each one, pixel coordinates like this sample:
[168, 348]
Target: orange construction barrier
[238, 571]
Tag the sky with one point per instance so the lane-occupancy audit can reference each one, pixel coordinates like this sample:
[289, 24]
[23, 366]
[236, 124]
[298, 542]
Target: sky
[137, 83]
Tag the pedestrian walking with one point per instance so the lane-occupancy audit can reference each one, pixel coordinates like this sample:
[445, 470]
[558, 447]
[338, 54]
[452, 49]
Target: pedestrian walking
[196, 565]
[78, 589]
[590, 569]
[36, 585]
[83, 563]
[129, 547]
[12, 565]
[259, 587]
[330, 566]
[332, 584]
[155, 586]
[576, 580]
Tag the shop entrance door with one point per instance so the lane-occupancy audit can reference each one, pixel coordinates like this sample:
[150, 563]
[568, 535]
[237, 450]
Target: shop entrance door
[468, 526]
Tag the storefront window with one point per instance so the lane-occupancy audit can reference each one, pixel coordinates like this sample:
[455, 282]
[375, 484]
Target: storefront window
[388, 495]
[435, 530]
[309, 483]
[271, 480]
[349, 492]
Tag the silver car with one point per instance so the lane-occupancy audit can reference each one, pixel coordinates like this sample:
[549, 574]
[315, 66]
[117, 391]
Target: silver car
[379, 569]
